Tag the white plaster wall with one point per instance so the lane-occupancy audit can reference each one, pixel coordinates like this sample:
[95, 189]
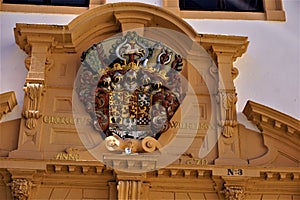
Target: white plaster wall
[268, 73]
[12, 67]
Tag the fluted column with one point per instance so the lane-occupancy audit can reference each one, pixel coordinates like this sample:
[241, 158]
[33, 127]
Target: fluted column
[130, 189]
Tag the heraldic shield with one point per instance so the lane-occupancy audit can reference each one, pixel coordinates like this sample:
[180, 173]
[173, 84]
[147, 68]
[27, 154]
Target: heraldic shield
[131, 87]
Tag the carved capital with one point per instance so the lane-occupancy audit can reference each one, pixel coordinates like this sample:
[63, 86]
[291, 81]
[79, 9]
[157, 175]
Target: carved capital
[21, 188]
[234, 192]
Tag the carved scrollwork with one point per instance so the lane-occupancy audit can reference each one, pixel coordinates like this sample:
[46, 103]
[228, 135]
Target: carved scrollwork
[20, 188]
[234, 192]
[33, 92]
[148, 144]
[27, 62]
[234, 73]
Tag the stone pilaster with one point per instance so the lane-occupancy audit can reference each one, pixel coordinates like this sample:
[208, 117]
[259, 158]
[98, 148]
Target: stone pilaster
[228, 142]
[39, 50]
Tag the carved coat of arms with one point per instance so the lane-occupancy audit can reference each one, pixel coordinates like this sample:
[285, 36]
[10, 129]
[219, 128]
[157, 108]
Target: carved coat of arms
[138, 89]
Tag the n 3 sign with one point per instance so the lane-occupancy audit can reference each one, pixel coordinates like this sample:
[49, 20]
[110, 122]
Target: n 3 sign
[235, 172]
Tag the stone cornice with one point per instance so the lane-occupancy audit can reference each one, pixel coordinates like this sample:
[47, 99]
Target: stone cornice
[7, 102]
[264, 117]
[58, 37]
[235, 46]
[173, 170]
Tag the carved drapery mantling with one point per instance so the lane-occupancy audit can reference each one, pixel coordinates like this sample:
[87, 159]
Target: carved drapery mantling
[31, 112]
[20, 188]
[234, 192]
[228, 112]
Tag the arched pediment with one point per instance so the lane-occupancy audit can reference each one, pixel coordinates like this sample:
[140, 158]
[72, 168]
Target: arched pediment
[110, 19]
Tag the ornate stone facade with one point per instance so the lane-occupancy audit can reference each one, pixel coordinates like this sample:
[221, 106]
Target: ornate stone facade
[209, 155]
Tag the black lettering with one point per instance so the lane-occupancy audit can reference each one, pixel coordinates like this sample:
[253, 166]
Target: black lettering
[230, 172]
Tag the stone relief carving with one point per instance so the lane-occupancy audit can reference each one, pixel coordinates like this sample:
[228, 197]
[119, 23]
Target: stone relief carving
[234, 192]
[132, 91]
[27, 62]
[33, 92]
[21, 188]
[148, 144]
[229, 122]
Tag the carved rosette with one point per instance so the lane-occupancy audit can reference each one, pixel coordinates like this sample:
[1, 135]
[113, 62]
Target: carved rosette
[31, 112]
[234, 192]
[228, 110]
[21, 188]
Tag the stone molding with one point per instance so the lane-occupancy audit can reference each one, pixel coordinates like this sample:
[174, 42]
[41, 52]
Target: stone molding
[275, 127]
[273, 11]
[264, 116]
[7, 102]
[34, 173]
[49, 8]
[32, 168]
